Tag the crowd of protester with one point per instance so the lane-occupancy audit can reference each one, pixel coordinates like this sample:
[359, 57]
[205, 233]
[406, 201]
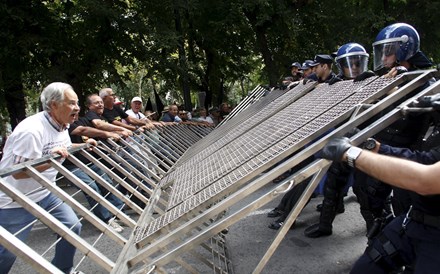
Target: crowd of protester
[59, 127]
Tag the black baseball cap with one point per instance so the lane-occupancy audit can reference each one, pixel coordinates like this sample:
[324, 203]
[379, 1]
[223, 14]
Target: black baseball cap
[323, 59]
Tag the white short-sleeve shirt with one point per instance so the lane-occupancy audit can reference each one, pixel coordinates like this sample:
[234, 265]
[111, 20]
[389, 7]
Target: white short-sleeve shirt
[33, 138]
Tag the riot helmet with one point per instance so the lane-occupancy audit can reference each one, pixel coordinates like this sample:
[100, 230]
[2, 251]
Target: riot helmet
[352, 60]
[395, 43]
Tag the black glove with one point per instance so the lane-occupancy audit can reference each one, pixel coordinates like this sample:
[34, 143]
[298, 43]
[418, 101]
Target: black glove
[352, 132]
[335, 149]
[401, 69]
[364, 75]
[429, 101]
[307, 80]
[334, 80]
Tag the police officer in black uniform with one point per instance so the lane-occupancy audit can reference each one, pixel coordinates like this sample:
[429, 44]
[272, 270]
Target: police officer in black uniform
[411, 239]
[323, 64]
[396, 50]
[295, 71]
[352, 60]
[323, 73]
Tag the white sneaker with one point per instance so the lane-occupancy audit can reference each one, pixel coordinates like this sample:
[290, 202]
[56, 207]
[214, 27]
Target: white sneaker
[121, 223]
[115, 226]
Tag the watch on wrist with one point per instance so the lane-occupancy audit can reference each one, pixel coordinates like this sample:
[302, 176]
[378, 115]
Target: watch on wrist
[369, 144]
[352, 154]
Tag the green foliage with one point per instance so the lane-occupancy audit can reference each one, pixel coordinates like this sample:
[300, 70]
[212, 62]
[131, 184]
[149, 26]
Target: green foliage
[224, 48]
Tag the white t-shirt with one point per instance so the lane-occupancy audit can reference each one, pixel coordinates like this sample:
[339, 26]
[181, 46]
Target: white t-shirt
[33, 138]
[206, 119]
[138, 115]
[131, 113]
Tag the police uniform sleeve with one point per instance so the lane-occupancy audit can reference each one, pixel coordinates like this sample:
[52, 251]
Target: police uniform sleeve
[423, 157]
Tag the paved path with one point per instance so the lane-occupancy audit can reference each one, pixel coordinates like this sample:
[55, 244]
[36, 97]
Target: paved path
[249, 239]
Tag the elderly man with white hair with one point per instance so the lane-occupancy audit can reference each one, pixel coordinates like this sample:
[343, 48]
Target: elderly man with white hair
[44, 133]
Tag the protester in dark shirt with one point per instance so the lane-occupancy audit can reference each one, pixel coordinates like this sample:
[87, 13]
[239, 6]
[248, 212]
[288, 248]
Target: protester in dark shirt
[80, 131]
[171, 115]
[114, 114]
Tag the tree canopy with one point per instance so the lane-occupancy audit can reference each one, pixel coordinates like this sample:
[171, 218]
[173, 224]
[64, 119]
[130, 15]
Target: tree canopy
[181, 47]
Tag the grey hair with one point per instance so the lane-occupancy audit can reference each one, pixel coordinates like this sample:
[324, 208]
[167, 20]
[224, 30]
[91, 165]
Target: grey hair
[54, 92]
[104, 92]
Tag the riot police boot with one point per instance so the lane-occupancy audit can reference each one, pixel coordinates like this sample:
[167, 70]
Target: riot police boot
[368, 217]
[324, 227]
[333, 198]
[316, 231]
[339, 210]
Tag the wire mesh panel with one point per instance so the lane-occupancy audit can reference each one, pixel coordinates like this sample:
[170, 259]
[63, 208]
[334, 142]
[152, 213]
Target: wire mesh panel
[174, 183]
[248, 119]
[212, 173]
[212, 165]
[107, 186]
[253, 96]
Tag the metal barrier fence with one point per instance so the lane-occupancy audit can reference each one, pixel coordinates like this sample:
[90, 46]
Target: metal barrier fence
[251, 98]
[128, 170]
[187, 181]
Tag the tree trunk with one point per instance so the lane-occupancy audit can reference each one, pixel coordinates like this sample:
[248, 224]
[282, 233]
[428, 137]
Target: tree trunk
[14, 95]
[262, 45]
[214, 79]
[267, 55]
[183, 66]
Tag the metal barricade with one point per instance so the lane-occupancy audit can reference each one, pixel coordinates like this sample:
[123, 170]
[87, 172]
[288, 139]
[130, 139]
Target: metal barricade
[188, 177]
[225, 171]
[127, 170]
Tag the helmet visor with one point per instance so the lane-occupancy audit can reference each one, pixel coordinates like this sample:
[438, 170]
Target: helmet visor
[352, 66]
[385, 55]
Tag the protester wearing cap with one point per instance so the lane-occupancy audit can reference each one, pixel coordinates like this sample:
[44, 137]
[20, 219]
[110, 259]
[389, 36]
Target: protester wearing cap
[323, 69]
[137, 99]
[136, 112]
[136, 108]
[115, 115]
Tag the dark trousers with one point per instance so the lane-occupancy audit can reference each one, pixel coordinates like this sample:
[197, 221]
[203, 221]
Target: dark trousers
[417, 246]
